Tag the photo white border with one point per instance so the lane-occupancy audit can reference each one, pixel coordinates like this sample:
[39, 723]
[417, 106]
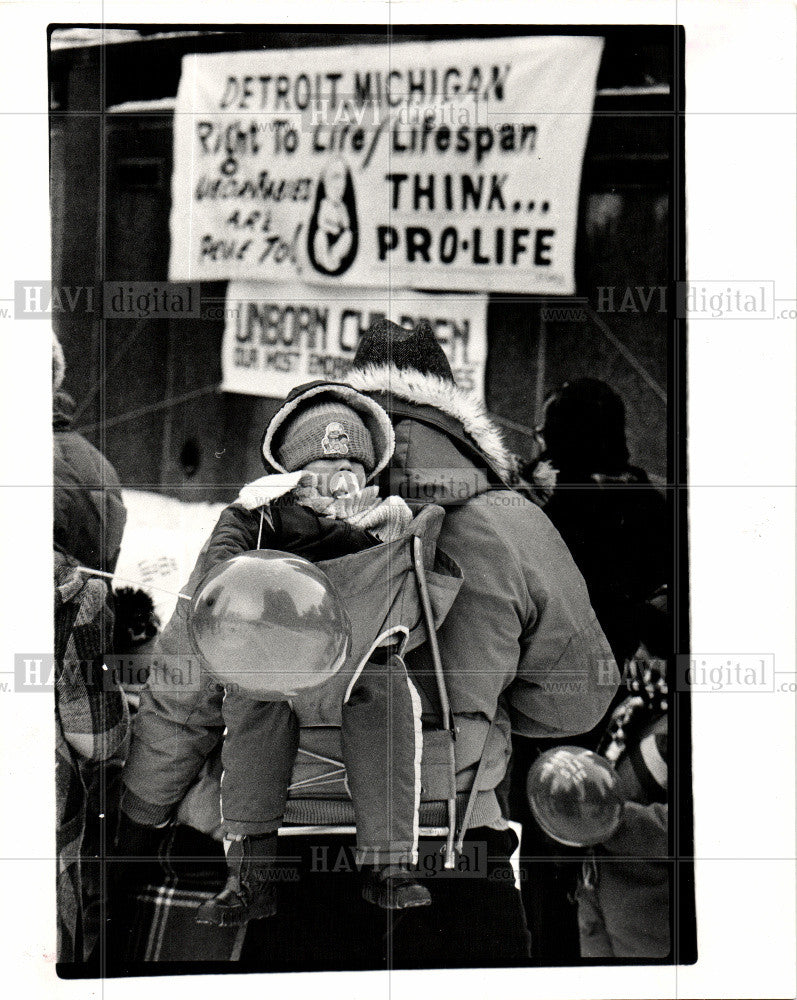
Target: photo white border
[740, 162]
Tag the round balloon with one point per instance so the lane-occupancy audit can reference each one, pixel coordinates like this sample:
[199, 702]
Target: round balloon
[270, 624]
[575, 796]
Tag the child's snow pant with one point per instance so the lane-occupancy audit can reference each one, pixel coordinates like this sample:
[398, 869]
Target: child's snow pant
[381, 736]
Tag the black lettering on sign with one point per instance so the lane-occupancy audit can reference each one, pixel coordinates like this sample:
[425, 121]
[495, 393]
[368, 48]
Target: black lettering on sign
[387, 239]
[288, 326]
[331, 366]
[471, 192]
[418, 240]
[423, 192]
[449, 244]
[454, 192]
[281, 361]
[478, 256]
[460, 339]
[519, 243]
[477, 247]
[542, 247]
[223, 250]
[245, 357]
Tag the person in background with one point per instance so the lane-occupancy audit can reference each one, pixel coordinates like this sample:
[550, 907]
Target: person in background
[623, 894]
[92, 722]
[91, 714]
[613, 520]
[89, 513]
[615, 524]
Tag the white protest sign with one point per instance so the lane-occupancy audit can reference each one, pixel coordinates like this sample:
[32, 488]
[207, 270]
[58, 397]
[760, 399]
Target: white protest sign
[276, 338]
[431, 165]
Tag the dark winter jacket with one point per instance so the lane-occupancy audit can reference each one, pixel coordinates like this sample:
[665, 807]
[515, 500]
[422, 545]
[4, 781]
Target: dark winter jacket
[289, 528]
[89, 514]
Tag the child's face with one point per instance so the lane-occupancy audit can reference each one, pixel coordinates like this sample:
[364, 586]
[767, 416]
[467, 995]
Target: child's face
[327, 469]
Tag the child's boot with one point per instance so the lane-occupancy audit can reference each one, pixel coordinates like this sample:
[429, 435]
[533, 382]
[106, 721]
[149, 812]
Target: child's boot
[394, 887]
[250, 892]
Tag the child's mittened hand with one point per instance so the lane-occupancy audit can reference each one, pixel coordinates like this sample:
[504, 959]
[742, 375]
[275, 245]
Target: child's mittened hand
[387, 519]
[349, 506]
[267, 488]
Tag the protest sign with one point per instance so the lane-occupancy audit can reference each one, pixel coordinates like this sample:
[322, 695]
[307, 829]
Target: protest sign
[277, 338]
[433, 165]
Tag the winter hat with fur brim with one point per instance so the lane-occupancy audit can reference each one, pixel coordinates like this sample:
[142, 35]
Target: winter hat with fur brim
[387, 343]
[374, 417]
[326, 431]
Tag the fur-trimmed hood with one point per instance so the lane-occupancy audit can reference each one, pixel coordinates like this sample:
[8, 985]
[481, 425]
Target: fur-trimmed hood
[430, 391]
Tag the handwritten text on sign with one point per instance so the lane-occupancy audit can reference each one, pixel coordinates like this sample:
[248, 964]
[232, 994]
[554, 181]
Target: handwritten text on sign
[278, 338]
[445, 165]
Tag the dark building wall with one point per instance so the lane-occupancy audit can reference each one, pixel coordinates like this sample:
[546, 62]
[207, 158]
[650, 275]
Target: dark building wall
[156, 412]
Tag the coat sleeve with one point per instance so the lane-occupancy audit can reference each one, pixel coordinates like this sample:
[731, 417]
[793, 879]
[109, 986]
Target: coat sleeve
[567, 675]
[236, 531]
[179, 722]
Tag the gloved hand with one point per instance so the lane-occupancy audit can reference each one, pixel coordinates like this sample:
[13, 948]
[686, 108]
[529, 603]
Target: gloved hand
[349, 505]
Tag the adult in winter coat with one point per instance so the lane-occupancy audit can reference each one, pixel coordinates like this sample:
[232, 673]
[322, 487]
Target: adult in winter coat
[89, 514]
[321, 508]
[522, 623]
[521, 646]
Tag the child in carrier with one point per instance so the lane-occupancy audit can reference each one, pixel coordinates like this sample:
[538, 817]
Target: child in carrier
[319, 507]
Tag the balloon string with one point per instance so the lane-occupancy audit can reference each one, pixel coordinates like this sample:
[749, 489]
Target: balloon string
[127, 579]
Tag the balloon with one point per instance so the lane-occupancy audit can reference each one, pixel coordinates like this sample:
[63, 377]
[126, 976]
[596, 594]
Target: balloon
[575, 796]
[270, 624]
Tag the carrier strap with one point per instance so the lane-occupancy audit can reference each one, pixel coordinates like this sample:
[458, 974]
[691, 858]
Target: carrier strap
[474, 791]
[447, 716]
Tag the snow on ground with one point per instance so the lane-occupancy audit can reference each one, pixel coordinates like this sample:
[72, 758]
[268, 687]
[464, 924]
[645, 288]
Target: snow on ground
[162, 539]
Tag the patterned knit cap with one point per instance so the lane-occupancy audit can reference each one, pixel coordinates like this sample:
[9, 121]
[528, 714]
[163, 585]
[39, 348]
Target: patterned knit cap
[327, 430]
